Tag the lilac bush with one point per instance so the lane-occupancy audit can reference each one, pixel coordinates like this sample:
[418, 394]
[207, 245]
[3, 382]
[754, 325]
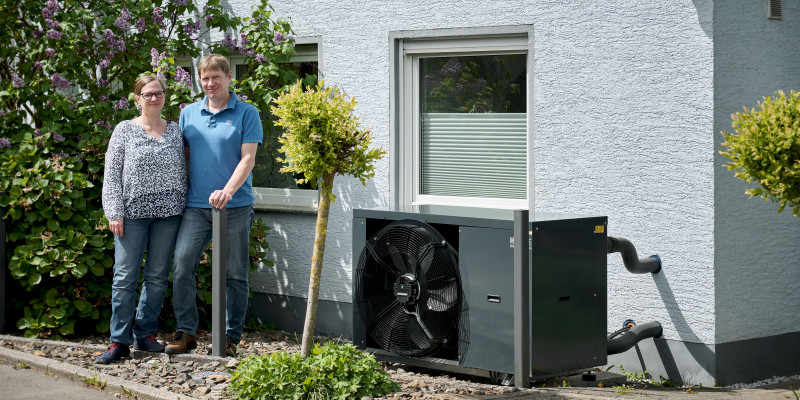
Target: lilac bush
[66, 73]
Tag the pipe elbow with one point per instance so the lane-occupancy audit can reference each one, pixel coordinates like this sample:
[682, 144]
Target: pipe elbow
[634, 335]
[630, 258]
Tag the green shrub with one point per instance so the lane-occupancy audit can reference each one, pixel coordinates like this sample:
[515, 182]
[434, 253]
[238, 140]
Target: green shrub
[766, 149]
[331, 371]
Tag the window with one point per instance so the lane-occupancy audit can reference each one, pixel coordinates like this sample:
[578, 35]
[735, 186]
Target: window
[461, 126]
[275, 190]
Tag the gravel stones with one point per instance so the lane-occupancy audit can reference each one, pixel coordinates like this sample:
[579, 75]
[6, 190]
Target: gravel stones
[206, 378]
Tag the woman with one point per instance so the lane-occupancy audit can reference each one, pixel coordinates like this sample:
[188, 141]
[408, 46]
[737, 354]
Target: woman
[144, 193]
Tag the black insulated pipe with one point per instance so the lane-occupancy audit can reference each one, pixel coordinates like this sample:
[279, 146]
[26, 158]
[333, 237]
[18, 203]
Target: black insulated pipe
[632, 262]
[623, 339]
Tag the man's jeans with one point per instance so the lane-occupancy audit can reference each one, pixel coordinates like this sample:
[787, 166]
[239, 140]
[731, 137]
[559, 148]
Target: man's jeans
[157, 236]
[193, 237]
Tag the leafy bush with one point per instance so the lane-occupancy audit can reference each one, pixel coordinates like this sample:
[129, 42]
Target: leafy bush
[766, 149]
[331, 371]
[66, 75]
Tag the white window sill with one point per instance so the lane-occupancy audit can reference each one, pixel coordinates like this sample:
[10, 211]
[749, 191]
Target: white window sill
[290, 200]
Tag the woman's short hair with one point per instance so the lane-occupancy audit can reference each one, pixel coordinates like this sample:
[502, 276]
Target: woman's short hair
[144, 80]
[216, 62]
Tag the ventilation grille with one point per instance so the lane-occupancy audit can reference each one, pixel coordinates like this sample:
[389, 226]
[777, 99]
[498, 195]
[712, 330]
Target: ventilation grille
[774, 9]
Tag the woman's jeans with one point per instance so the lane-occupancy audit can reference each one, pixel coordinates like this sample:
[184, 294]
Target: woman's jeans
[157, 236]
[193, 237]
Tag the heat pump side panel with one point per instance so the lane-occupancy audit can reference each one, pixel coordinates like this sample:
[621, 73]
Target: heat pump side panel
[486, 264]
[568, 309]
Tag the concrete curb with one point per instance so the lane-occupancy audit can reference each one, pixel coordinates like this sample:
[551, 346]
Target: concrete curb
[79, 374]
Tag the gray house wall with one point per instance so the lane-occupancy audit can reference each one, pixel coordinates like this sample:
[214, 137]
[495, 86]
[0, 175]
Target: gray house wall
[629, 99]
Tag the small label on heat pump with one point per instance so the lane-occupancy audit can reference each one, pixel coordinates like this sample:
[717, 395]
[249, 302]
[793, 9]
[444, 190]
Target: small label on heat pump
[599, 229]
[493, 298]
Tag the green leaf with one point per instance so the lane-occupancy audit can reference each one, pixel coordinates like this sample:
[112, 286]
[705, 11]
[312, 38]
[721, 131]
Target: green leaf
[68, 328]
[83, 305]
[50, 297]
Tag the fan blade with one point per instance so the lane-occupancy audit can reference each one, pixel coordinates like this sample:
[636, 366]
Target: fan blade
[424, 327]
[440, 300]
[398, 260]
[388, 268]
[425, 259]
[386, 310]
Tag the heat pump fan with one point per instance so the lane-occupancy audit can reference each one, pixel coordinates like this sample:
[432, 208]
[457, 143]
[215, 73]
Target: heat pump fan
[408, 289]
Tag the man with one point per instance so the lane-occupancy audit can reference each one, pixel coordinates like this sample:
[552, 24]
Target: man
[221, 135]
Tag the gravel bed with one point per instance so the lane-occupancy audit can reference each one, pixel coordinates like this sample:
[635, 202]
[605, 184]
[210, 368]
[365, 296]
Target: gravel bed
[207, 377]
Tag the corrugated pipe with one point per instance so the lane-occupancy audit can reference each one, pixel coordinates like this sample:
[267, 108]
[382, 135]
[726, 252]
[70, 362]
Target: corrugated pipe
[632, 262]
[631, 334]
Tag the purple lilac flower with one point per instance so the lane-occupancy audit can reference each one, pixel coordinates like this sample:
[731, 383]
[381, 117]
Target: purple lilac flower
[103, 97]
[229, 42]
[85, 38]
[243, 98]
[58, 137]
[155, 58]
[102, 83]
[105, 63]
[122, 104]
[37, 33]
[182, 106]
[183, 77]
[17, 81]
[59, 82]
[5, 143]
[160, 76]
[124, 20]
[278, 38]
[37, 132]
[141, 24]
[50, 52]
[53, 5]
[261, 58]
[180, 3]
[37, 65]
[47, 13]
[243, 39]
[55, 35]
[52, 24]
[108, 35]
[248, 52]
[62, 154]
[158, 19]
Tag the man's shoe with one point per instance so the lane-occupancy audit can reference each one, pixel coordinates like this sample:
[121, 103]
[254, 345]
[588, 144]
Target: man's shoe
[181, 343]
[114, 353]
[148, 343]
[231, 347]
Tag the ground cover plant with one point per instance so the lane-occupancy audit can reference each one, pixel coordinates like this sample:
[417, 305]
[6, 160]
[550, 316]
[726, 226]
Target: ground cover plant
[66, 74]
[331, 371]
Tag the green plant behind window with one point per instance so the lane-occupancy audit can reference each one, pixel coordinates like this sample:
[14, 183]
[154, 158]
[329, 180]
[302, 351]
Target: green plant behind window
[766, 149]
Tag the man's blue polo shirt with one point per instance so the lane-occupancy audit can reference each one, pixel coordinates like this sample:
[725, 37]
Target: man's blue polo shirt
[215, 148]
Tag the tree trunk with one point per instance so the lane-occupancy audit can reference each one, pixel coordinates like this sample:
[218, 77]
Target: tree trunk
[316, 263]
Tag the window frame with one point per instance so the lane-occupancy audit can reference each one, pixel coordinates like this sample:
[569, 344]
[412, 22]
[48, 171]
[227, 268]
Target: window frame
[408, 48]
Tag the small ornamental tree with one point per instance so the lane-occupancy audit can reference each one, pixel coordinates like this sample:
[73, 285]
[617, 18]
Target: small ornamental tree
[66, 73]
[322, 139]
[766, 149]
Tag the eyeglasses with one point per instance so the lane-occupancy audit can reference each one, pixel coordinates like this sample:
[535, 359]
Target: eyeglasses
[149, 96]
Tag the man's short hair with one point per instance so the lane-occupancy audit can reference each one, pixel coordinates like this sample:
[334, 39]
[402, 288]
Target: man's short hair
[216, 62]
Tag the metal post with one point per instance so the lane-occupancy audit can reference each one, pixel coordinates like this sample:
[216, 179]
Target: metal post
[219, 237]
[2, 267]
[522, 309]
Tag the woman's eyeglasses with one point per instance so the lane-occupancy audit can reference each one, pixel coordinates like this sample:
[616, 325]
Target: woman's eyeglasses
[149, 96]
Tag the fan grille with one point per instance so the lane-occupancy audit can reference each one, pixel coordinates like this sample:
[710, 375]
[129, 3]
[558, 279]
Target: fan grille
[410, 325]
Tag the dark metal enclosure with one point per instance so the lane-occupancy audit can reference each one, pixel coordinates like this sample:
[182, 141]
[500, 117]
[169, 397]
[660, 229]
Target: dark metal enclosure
[567, 286]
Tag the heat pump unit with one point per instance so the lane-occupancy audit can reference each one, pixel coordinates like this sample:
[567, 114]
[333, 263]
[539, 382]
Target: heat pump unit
[434, 286]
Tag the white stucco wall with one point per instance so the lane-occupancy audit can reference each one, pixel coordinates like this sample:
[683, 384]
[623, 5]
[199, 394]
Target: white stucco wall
[624, 127]
[757, 255]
